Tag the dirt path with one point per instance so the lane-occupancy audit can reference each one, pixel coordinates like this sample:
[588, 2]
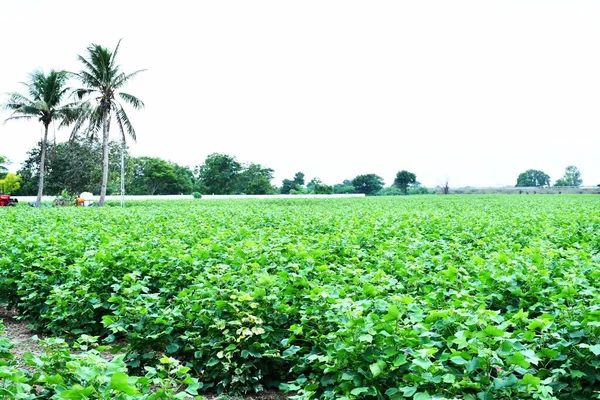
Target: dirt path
[19, 334]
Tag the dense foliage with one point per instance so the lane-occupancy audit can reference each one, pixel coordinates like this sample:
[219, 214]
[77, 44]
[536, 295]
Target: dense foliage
[533, 178]
[83, 372]
[479, 297]
[572, 177]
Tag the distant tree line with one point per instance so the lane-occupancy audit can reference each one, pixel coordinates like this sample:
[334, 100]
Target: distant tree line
[537, 178]
[74, 166]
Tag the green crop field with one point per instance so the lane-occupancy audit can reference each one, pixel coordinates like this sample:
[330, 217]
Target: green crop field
[454, 297]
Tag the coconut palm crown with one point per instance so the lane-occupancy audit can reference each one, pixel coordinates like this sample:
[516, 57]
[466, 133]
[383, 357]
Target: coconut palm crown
[101, 96]
[45, 94]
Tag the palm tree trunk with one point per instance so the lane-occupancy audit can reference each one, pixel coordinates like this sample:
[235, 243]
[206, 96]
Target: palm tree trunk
[38, 201]
[105, 120]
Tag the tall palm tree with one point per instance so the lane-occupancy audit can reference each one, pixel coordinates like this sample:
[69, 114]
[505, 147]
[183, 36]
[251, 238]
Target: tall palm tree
[103, 79]
[43, 102]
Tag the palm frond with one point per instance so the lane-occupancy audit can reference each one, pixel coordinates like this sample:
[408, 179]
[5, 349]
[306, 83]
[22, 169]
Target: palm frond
[100, 57]
[90, 80]
[19, 99]
[132, 100]
[123, 78]
[114, 55]
[16, 117]
[124, 123]
[92, 70]
[24, 110]
[80, 93]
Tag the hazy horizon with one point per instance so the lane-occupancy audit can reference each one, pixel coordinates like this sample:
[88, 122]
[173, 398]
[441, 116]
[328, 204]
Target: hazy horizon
[472, 91]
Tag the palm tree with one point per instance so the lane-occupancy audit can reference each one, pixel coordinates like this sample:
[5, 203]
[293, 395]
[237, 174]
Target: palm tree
[103, 79]
[43, 102]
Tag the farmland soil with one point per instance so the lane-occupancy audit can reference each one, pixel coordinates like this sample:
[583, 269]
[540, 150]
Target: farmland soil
[19, 334]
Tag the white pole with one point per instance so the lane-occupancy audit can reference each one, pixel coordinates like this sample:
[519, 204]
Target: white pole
[123, 174]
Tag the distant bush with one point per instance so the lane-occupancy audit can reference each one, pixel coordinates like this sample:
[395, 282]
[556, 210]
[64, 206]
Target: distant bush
[340, 188]
[394, 191]
[197, 195]
[420, 190]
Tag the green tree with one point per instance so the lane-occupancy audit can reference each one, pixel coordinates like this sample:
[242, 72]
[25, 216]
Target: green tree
[368, 184]
[404, 179]
[72, 166]
[43, 102]
[154, 175]
[255, 179]
[343, 188]
[288, 185]
[102, 81]
[10, 183]
[184, 180]
[533, 178]
[218, 174]
[572, 177]
[317, 186]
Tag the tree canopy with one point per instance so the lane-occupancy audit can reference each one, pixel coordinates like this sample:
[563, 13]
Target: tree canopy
[287, 185]
[533, 178]
[368, 184]
[404, 179]
[572, 177]
[43, 102]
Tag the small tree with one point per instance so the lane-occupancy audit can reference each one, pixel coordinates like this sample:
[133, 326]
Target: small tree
[533, 178]
[446, 187]
[10, 184]
[317, 186]
[219, 174]
[296, 184]
[368, 184]
[404, 179]
[572, 177]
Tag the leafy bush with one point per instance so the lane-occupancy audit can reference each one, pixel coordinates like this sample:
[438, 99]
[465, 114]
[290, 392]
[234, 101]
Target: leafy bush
[82, 372]
[197, 195]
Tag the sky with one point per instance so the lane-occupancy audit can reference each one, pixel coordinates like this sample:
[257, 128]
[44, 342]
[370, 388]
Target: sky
[475, 92]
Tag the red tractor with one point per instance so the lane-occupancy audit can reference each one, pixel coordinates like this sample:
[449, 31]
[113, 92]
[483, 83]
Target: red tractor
[6, 201]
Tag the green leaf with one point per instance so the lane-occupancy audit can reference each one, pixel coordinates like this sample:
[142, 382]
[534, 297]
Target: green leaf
[458, 360]
[172, 348]
[529, 379]
[493, 331]
[400, 360]
[291, 351]
[518, 359]
[423, 363]
[377, 368]
[360, 390]
[120, 381]
[595, 349]
[506, 382]
[449, 378]
[77, 392]
[422, 396]
[408, 391]
[365, 338]
[393, 313]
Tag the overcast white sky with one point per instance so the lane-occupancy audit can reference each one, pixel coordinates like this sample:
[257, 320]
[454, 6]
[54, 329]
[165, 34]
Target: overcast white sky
[475, 91]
